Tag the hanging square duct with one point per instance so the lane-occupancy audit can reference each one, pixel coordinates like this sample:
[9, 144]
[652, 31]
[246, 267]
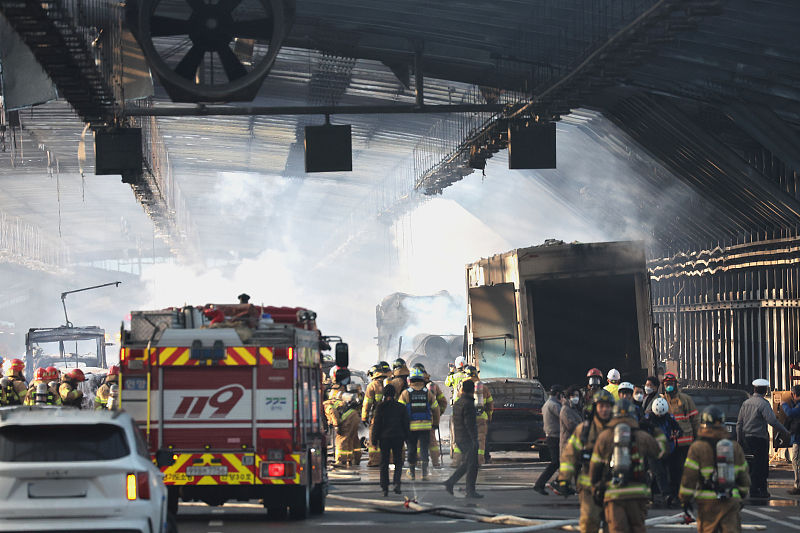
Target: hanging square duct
[329, 148]
[531, 145]
[118, 151]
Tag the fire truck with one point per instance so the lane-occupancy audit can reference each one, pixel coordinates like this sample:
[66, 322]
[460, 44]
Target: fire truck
[230, 408]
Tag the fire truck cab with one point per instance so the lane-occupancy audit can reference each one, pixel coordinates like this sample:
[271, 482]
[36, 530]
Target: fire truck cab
[230, 410]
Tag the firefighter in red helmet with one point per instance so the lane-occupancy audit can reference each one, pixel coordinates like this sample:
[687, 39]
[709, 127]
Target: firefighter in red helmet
[42, 391]
[70, 394]
[107, 390]
[12, 387]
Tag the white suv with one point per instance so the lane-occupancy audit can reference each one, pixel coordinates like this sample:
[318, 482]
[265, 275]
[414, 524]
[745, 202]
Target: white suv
[69, 469]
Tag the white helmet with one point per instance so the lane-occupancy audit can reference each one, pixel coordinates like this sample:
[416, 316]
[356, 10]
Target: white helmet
[626, 385]
[660, 407]
[613, 375]
[461, 362]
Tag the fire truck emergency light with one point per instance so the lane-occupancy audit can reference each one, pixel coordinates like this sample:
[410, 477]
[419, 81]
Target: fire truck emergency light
[329, 148]
[531, 145]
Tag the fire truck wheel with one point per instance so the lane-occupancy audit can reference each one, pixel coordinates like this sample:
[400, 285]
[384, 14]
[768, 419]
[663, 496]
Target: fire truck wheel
[300, 506]
[276, 512]
[318, 499]
[172, 500]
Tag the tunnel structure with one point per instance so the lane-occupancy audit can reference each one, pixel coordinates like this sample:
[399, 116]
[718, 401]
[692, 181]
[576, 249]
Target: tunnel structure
[699, 98]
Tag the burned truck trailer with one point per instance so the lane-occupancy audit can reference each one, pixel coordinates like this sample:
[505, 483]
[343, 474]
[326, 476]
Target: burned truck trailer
[553, 311]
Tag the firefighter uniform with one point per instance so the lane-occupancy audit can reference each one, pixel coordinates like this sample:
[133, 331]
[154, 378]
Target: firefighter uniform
[104, 391]
[484, 404]
[52, 397]
[342, 414]
[68, 390]
[13, 390]
[441, 400]
[625, 499]
[422, 408]
[372, 397]
[683, 409]
[716, 510]
[575, 460]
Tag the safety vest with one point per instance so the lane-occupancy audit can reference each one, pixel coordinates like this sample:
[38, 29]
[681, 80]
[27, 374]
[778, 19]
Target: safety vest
[419, 409]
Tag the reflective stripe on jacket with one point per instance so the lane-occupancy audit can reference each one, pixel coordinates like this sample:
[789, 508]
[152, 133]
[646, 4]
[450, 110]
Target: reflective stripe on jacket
[684, 411]
[701, 463]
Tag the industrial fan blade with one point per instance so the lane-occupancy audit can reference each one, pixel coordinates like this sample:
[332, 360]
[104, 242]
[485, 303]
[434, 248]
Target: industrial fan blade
[259, 29]
[196, 5]
[187, 68]
[233, 67]
[164, 26]
[229, 5]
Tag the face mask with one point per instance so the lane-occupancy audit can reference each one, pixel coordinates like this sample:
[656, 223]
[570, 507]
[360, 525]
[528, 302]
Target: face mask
[638, 396]
[575, 400]
[648, 389]
[670, 388]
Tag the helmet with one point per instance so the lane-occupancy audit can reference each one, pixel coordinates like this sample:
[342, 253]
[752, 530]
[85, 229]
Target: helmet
[613, 375]
[398, 363]
[416, 375]
[624, 409]
[14, 366]
[341, 376]
[112, 371]
[461, 362]
[670, 376]
[76, 374]
[712, 416]
[603, 396]
[556, 389]
[660, 407]
[471, 371]
[52, 373]
[383, 369]
[40, 374]
[594, 372]
[372, 370]
[626, 385]
[419, 365]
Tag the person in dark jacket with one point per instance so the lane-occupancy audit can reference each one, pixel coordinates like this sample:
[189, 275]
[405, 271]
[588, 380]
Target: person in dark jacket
[390, 430]
[791, 408]
[465, 426]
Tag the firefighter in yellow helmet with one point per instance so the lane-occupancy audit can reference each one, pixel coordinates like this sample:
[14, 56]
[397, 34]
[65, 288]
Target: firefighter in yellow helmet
[12, 386]
[618, 472]
[422, 410]
[715, 475]
[372, 397]
[71, 395]
[484, 405]
[435, 448]
[575, 460]
[341, 410]
[107, 389]
[42, 390]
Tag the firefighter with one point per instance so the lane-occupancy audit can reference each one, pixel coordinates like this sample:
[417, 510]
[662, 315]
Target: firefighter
[341, 410]
[372, 397]
[595, 377]
[104, 392]
[618, 473]
[682, 408]
[613, 383]
[68, 390]
[575, 460]
[715, 474]
[455, 378]
[399, 378]
[422, 408]
[41, 390]
[13, 385]
[484, 405]
[434, 449]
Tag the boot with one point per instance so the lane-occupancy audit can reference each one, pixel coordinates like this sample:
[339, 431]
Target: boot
[412, 471]
[425, 471]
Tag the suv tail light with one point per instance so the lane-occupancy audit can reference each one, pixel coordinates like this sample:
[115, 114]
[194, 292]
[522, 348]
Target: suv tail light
[137, 486]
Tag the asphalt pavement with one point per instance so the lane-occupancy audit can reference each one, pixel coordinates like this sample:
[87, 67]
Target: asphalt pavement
[355, 503]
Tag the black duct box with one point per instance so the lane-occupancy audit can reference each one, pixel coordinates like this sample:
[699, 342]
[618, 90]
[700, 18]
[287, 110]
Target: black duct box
[329, 148]
[532, 146]
[118, 151]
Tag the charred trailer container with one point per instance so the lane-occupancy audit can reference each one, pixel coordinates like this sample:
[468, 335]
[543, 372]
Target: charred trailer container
[552, 312]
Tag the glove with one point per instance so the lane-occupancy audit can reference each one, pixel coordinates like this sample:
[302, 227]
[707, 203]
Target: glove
[563, 488]
[598, 494]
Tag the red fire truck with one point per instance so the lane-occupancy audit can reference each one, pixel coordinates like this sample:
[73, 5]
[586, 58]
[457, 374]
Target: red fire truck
[230, 411]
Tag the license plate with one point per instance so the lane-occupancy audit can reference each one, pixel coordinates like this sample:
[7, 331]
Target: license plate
[135, 384]
[58, 488]
[207, 471]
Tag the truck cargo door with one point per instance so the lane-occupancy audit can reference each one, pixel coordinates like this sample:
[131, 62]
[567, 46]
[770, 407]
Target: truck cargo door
[205, 406]
[493, 315]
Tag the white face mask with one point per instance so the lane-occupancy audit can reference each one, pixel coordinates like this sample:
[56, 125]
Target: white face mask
[575, 400]
[638, 396]
[648, 389]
